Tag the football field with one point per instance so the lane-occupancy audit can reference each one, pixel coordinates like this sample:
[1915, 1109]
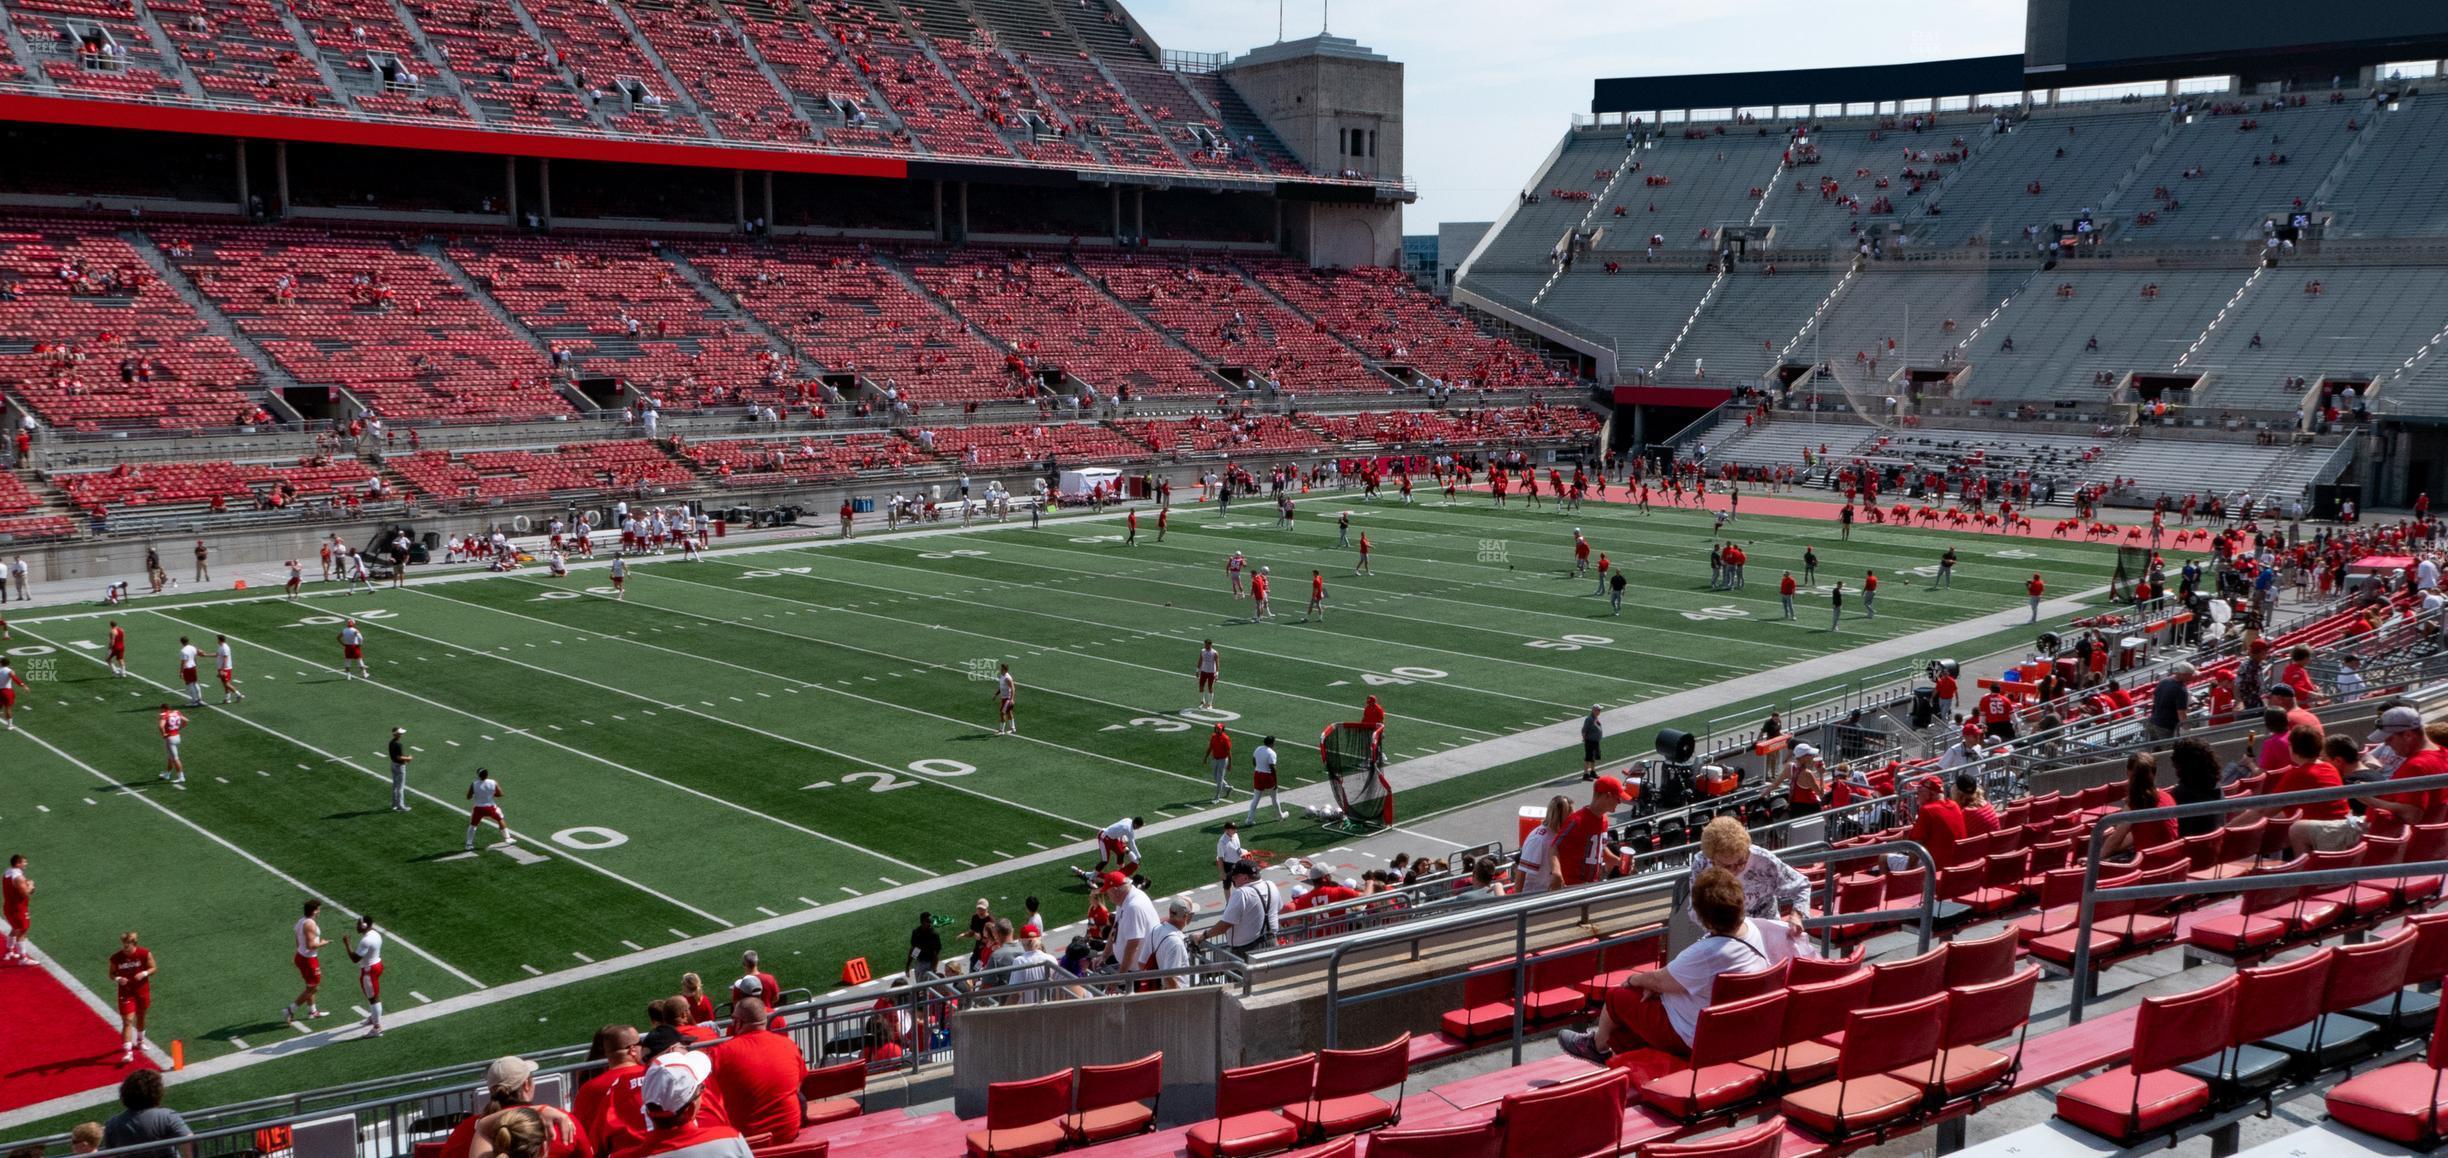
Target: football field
[791, 747]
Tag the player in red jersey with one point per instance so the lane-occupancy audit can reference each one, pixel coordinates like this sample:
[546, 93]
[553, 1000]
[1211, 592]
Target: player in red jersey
[1363, 568]
[1130, 523]
[1163, 516]
[1258, 597]
[10, 681]
[173, 721]
[132, 969]
[118, 649]
[1317, 596]
[308, 957]
[16, 907]
[1581, 554]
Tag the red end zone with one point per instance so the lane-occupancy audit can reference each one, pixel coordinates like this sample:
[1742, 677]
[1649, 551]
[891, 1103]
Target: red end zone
[53, 1043]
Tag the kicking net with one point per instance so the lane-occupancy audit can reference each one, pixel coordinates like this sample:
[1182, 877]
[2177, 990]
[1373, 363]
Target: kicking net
[1354, 755]
[2132, 566]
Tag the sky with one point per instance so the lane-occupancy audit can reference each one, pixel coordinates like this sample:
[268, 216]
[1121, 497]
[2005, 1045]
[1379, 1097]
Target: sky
[1490, 85]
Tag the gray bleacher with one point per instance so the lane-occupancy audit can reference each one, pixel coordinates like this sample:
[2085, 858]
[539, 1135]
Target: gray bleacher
[1741, 335]
[2178, 467]
[1531, 234]
[1988, 197]
[2363, 323]
[1781, 443]
[2135, 333]
[2233, 195]
[1641, 309]
[2395, 188]
[1711, 181]
[1805, 220]
[1912, 306]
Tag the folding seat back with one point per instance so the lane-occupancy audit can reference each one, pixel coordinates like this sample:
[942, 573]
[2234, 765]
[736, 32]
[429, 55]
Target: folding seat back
[2242, 842]
[2202, 850]
[1988, 1011]
[1725, 1045]
[1474, 1140]
[2424, 843]
[1911, 979]
[2428, 964]
[1980, 960]
[2142, 1095]
[1024, 1118]
[1814, 1014]
[1813, 970]
[1115, 1101]
[1576, 1119]
[1904, 885]
[1345, 1096]
[1732, 987]
[2047, 856]
[830, 1092]
[1249, 1104]
[1563, 968]
[2367, 972]
[2272, 999]
[1890, 1059]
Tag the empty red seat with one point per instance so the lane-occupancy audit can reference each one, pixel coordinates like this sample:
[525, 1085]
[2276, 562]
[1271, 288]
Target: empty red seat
[1978, 1015]
[1760, 1140]
[2147, 1095]
[1024, 1119]
[1346, 1096]
[1583, 1118]
[831, 1092]
[1718, 1077]
[1866, 1093]
[1250, 1105]
[1473, 1140]
[1115, 1101]
[2404, 1103]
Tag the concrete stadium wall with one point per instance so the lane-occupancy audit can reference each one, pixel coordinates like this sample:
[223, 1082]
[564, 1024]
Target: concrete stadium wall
[1195, 1030]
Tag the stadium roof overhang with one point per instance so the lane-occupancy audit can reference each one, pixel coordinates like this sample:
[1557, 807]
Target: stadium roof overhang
[1804, 86]
[198, 120]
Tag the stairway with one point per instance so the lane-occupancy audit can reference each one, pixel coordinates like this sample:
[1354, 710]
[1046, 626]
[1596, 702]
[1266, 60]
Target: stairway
[1334, 332]
[433, 62]
[167, 49]
[306, 48]
[730, 311]
[893, 267]
[270, 373]
[678, 91]
[432, 249]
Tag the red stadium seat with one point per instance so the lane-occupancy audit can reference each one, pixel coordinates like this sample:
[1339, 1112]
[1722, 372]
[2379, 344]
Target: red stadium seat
[1250, 1105]
[1024, 1119]
[1475, 1140]
[2147, 1095]
[1116, 1101]
[1583, 1118]
[1345, 1099]
[832, 1092]
[2404, 1103]
[1867, 1094]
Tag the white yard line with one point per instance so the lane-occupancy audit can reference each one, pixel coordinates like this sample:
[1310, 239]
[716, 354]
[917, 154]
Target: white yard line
[384, 685]
[208, 834]
[385, 778]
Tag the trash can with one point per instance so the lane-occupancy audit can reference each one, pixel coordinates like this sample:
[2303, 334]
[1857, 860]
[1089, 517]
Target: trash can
[722, 527]
[1924, 705]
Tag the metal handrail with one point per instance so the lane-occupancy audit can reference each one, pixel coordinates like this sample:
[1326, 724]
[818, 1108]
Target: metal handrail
[2092, 894]
[1541, 904]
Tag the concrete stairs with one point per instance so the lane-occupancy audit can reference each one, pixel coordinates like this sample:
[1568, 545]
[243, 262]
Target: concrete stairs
[445, 75]
[306, 48]
[730, 311]
[679, 91]
[167, 49]
[467, 283]
[270, 372]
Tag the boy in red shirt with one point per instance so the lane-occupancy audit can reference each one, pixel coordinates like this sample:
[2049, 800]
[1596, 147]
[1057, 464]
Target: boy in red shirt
[2326, 825]
[1581, 847]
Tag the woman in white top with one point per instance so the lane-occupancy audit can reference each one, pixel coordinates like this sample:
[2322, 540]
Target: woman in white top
[1537, 861]
[1660, 1009]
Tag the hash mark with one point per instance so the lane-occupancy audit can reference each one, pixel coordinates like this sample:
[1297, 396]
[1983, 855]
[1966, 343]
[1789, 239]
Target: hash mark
[420, 997]
[582, 956]
[532, 970]
[633, 946]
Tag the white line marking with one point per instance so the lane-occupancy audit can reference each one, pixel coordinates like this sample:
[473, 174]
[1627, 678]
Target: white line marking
[851, 891]
[251, 858]
[809, 903]
[677, 933]
[890, 881]
[421, 998]
[582, 956]
[767, 912]
[238, 1043]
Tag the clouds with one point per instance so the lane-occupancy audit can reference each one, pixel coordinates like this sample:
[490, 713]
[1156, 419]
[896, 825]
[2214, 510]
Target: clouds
[1492, 83]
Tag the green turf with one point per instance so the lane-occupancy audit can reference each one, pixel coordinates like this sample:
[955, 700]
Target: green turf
[757, 734]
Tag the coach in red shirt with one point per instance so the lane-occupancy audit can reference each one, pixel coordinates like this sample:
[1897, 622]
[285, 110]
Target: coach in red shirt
[758, 1072]
[1581, 847]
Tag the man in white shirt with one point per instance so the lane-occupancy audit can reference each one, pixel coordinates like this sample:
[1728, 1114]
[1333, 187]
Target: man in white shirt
[1228, 854]
[1135, 922]
[1262, 780]
[1251, 905]
[188, 658]
[1956, 756]
[2426, 575]
[1173, 942]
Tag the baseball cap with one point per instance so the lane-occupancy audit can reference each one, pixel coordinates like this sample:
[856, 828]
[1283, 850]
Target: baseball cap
[1112, 880]
[1320, 871]
[2279, 691]
[1804, 751]
[508, 1074]
[2395, 720]
[671, 1083]
[1608, 786]
[1245, 867]
[399, 730]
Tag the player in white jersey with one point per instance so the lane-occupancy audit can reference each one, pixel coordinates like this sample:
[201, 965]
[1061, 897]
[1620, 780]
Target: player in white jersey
[352, 651]
[297, 579]
[1233, 568]
[1210, 665]
[189, 657]
[586, 541]
[228, 667]
[360, 579]
[1007, 693]
[557, 564]
[10, 684]
[484, 803]
[309, 962]
[620, 578]
[689, 548]
[367, 953]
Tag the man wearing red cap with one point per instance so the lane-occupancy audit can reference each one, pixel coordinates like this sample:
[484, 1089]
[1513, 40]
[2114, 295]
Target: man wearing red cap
[1581, 847]
[1135, 922]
